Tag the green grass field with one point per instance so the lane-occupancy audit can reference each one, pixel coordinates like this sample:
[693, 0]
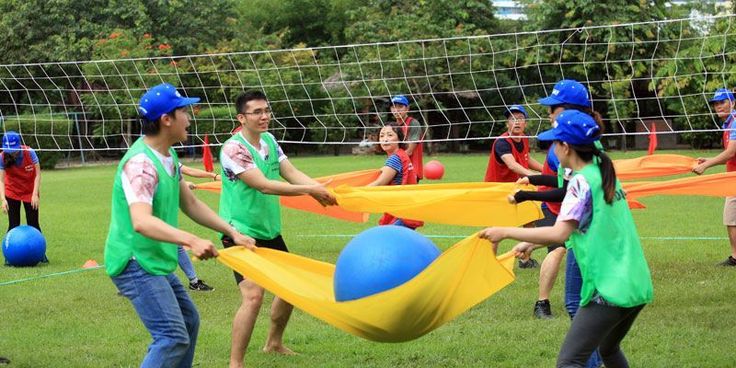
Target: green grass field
[77, 320]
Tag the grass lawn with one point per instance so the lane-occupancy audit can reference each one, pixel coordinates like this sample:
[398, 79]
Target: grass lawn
[77, 320]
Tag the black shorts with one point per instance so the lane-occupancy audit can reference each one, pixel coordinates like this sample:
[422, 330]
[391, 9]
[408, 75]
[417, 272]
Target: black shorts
[548, 220]
[276, 243]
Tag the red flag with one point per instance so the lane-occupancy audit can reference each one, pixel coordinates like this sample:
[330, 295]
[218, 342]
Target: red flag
[207, 156]
[652, 139]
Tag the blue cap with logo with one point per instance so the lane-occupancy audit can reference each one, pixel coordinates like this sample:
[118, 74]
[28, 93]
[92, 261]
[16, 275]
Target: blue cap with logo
[515, 108]
[162, 99]
[573, 127]
[722, 94]
[567, 91]
[400, 100]
[11, 142]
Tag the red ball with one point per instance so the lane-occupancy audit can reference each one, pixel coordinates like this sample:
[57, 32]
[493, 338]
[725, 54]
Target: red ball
[434, 170]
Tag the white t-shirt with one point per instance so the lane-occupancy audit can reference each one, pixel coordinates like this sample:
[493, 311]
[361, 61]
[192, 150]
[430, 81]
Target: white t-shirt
[236, 158]
[578, 203]
[140, 178]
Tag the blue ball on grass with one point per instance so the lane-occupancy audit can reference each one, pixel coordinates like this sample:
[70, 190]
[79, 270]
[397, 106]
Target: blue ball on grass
[24, 246]
[379, 259]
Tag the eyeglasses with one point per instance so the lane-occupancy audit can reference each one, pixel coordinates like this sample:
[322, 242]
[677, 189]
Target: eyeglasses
[266, 112]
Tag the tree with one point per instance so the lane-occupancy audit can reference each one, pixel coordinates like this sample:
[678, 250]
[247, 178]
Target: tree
[35, 31]
[307, 22]
[613, 62]
[438, 75]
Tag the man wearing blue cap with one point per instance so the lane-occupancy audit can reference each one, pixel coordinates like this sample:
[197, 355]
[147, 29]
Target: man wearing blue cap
[141, 251]
[509, 158]
[414, 131]
[723, 104]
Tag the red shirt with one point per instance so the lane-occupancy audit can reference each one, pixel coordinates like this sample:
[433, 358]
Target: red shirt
[416, 155]
[19, 179]
[499, 172]
[553, 207]
[731, 163]
[408, 177]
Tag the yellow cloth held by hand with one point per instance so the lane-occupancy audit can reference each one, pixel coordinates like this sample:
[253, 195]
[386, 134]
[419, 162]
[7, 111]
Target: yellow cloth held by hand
[467, 204]
[461, 277]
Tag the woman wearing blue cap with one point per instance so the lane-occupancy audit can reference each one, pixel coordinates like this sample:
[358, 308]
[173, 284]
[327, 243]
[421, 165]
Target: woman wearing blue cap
[141, 251]
[596, 219]
[20, 180]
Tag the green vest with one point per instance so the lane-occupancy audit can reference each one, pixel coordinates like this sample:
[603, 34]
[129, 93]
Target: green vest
[250, 211]
[123, 243]
[609, 253]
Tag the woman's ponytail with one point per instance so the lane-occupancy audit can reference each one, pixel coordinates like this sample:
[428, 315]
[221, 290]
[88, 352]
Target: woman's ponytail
[608, 175]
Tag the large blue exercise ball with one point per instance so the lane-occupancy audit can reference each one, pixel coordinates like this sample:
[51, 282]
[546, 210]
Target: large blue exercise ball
[24, 246]
[379, 259]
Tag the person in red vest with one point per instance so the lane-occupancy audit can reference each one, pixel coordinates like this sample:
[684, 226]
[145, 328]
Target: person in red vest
[413, 130]
[20, 178]
[509, 159]
[398, 170]
[723, 104]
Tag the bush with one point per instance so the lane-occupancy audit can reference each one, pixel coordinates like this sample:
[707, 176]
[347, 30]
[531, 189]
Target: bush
[48, 134]
[216, 122]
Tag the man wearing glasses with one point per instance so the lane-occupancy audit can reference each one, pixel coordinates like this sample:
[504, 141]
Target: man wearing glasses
[252, 161]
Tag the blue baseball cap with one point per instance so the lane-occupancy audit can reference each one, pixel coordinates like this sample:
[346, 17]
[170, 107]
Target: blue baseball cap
[162, 99]
[515, 108]
[400, 99]
[722, 94]
[572, 127]
[567, 91]
[11, 142]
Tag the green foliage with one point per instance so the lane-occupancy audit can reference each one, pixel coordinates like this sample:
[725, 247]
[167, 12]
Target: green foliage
[49, 134]
[651, 69]
[421, 69]
[308, 22]
[215, 122]
[61, 30]
[117, 86]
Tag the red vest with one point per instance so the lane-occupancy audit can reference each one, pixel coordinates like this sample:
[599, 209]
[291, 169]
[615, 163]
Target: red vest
[731, 163]
[416, 155]
[19, 179]
[499, 172]
[408, 177]
[553, 207]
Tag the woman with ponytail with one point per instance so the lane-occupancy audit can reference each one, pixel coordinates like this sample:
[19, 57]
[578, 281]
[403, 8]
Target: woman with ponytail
[596, 219]
[398, 170]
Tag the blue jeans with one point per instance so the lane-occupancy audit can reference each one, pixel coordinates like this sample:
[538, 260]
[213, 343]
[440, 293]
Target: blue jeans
[573, 287]
[186, 264]
[164, 307]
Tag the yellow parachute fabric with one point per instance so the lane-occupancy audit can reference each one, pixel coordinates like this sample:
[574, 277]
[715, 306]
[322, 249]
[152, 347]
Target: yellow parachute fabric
[468, 204]
[461, 277]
